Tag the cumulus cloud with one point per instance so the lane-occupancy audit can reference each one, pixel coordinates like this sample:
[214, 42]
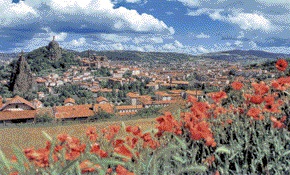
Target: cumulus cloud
[246, 21]
[250, 21]
[79, 42]
[202, 35]
[74, 15]
[16, 13]
[115, 37]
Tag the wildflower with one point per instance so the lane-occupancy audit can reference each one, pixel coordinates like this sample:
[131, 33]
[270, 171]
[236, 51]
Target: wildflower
[134, 130]
[237, 85]
[255, 113]
[62, 137]
[87, 166]
[269, 99]
[276, 123]
[96, 149]
[273, 108]
[14, 173]
[92, 134]
[120, 170]
[121, 149]
[167, 123]
[281, 64]
[260, 88]
[14, 159]
[218, 111]
[282, 83]
[256, 99]
[218, 96]
[209, 160]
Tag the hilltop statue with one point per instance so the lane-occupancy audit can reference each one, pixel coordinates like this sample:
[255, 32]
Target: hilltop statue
[21, 77]
[54, 51]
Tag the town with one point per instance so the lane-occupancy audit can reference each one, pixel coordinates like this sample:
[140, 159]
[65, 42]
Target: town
[120, 88]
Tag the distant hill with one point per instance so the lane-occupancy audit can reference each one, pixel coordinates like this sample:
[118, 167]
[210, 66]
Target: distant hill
[138, 56]
[8, 56]
[245, 56]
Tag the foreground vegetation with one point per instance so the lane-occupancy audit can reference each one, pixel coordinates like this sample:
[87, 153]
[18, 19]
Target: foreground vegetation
[242, 131]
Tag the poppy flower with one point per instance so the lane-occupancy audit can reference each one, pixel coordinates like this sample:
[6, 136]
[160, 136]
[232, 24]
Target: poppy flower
[260, 88]
[14, 173]
[281, 64]
[237, 85]
[256, 99]
[218, 96]
[135, 130]
[254, 113]
[87, 166]
[92, 134]
[120, 170]
[272, 108]
[209, 160]
[277, 123]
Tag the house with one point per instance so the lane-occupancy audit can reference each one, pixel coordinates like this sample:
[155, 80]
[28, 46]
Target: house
[133, 97]
[17, 104]
[106, 107]
[69, 102]
[128, 110]
[17, 109]
[160, 95]
[76, 112]
[101, 100]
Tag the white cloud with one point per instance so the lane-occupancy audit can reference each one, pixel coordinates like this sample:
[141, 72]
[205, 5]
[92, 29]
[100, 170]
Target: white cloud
[115, 37]
[190, 3]
[250, 21]
[246, 21]
[201, 49]
[202, 35]
[20, 13]
[238, 43]
[79, 42]
[133, 1]
[157, 40]
[253, 45]
[92, 14]
[241, 35]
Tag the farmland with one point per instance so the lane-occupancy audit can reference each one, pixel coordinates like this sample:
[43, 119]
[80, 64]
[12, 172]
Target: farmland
[31, 136]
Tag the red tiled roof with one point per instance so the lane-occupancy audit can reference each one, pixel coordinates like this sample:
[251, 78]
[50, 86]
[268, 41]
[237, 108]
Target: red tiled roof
[161, 93]
[100, 99]
[129, 107]
[75, 111]
[164, 102]
[133, 95]
[17, 100]
[69, 100]
[106, 107]
[13, 115]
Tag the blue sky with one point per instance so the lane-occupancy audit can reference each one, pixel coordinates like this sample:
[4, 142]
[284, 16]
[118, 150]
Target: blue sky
[185, 26]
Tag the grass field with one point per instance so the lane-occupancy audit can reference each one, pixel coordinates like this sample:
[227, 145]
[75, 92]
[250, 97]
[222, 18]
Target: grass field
[32, 136]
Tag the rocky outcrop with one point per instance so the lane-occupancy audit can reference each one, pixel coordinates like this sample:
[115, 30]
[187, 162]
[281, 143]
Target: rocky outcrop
[21, 77]
[54, 51]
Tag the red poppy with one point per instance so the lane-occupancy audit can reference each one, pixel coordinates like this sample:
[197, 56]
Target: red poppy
[256, 99]
[272, 108]
[134, 130]
[255, 113]
[277, 123]
[120, 170]
[92, 134]
[87, 166]
[281, 64]
[237, 85]
[260, 88]
[218, 96]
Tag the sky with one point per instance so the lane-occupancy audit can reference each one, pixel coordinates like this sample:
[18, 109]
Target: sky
[184, 26]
